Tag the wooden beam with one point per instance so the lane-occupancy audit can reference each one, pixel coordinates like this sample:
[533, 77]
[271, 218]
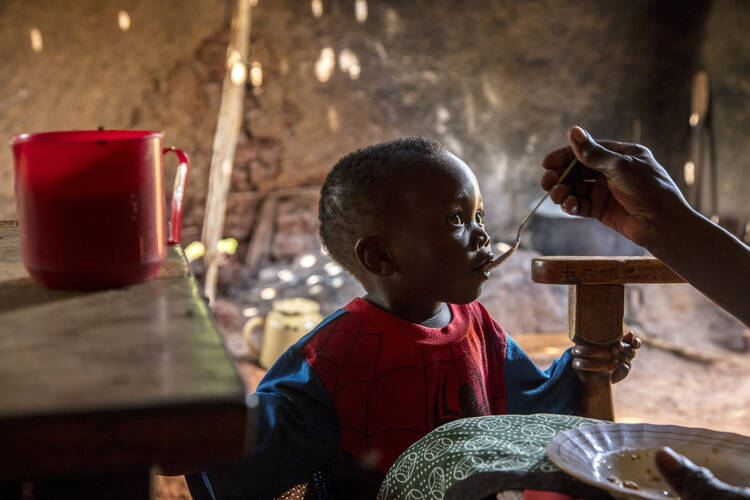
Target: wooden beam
[574, 270]
[225, 141]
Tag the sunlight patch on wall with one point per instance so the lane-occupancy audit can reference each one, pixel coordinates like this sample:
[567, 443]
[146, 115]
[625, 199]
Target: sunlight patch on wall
[349, 63]
[256, 74]
[360, 10]
[37, 44]
[123, 20]
[325, 64]
[317, 7]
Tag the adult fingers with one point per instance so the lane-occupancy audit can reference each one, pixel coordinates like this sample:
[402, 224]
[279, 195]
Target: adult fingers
[686, 478]
[559, 192]
[558, 158]
[577, 204]
[591, 153]
[571, 204]
[549, 179]
[561, 157]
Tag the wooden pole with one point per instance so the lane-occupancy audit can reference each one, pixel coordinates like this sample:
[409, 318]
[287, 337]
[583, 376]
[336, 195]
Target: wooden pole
[225, 141]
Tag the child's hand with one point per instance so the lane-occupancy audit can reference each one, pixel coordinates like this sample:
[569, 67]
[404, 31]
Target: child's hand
[624, 352]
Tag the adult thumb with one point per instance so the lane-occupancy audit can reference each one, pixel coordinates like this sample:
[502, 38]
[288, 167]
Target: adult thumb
[686, 478]
[591, 153]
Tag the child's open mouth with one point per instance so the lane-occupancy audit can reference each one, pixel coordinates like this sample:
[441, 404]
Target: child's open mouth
[485, 266]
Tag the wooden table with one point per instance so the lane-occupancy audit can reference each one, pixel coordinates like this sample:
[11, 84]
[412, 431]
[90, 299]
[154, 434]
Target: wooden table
[100, 390]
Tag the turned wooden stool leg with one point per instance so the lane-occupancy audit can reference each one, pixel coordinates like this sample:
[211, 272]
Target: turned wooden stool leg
[595, 314]
[595, 323]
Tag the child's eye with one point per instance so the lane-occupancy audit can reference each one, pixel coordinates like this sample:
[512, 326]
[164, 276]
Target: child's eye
[480, 218]
[456, 219]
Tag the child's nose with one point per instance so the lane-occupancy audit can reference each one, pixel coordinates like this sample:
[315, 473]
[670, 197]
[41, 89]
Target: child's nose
[480, 238]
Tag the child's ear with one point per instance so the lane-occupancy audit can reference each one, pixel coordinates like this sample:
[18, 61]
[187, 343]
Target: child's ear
[373, 257]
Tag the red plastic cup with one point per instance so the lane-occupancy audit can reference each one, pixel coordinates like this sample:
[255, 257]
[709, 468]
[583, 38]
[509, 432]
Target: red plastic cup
[91, 206]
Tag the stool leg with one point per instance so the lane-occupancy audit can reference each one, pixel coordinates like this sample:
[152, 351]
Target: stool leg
[595, 326]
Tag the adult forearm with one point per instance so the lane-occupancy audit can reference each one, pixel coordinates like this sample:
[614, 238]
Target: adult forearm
[709, 258]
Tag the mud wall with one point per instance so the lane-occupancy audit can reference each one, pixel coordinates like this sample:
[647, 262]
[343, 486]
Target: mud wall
[498, 82]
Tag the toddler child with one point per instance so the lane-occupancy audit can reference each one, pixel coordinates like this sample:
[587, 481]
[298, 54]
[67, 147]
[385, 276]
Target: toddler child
[406, 219]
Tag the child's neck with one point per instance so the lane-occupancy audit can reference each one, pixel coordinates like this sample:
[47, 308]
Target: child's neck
[429, 315]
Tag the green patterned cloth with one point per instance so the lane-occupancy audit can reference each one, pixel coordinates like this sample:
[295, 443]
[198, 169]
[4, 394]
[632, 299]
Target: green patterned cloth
[471, 457]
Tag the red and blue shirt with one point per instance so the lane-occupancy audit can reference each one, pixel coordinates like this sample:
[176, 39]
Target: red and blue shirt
[364, 385]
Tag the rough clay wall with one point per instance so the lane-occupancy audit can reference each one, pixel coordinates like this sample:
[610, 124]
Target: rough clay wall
[499, 82]
[91, 73]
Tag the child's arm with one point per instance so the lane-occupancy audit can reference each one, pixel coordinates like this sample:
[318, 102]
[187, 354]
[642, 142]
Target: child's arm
[531, 390]
[297, 434]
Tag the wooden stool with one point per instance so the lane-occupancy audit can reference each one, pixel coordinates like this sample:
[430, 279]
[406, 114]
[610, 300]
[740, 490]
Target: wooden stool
[596, 305]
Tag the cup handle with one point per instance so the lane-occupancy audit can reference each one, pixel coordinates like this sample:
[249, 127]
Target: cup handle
[178, 194]
[251, 324]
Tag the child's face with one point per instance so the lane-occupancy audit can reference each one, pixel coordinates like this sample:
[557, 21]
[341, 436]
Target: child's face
[437, 232]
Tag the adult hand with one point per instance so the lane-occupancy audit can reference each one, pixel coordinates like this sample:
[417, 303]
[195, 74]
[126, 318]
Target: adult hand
[692, 482]
[621, 185]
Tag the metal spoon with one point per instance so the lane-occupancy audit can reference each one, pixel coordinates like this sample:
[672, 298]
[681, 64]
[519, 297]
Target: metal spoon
[496, 262]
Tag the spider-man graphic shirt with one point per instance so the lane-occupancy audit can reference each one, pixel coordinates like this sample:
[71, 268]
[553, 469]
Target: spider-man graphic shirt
[364, 385]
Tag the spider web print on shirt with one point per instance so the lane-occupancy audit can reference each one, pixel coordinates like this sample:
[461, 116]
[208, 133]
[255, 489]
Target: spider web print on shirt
[392, 381]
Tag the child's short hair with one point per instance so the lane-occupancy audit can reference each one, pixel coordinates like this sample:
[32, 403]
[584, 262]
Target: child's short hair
[353, 194]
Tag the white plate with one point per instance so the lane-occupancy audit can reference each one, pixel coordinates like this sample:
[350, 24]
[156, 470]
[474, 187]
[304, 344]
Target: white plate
[608, 455]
